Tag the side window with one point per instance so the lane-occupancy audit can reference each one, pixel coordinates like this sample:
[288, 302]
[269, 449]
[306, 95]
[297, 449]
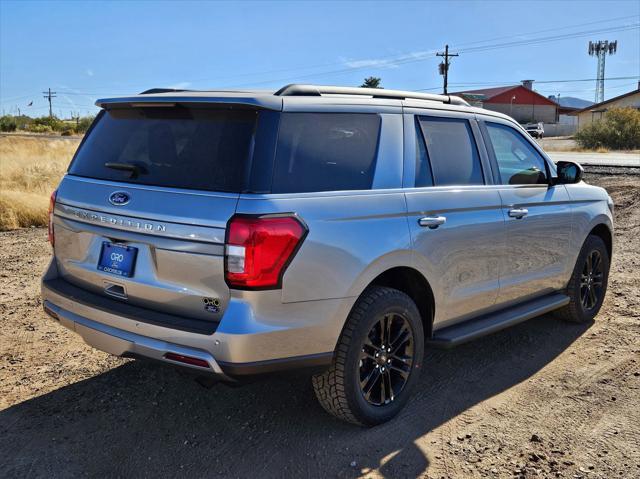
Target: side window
[452, 151]
[424, 176]
[518, 162]
[325, 152]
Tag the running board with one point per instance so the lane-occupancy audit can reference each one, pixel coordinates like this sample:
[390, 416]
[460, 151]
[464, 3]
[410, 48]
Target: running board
[475, 328]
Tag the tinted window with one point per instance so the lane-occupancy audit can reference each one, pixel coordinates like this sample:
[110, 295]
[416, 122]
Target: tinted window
[176, 147]
[325, 152]
[518, 161]
[452, 151]
[423, 168]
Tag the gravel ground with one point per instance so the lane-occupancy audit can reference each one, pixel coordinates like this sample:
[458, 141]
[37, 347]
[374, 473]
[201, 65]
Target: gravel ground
[543, 399]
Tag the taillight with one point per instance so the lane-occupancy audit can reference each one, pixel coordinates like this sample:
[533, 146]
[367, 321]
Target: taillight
[259, 249]
[52, 204]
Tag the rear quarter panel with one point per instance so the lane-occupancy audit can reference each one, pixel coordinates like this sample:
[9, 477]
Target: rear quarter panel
[352, 238]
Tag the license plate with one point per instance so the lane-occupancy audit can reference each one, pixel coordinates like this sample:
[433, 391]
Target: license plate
[117, 259]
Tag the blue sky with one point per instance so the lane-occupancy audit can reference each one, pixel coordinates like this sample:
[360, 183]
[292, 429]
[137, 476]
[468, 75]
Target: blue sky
[89, 50]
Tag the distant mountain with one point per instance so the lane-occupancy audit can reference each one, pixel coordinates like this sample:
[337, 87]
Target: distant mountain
[571, 101]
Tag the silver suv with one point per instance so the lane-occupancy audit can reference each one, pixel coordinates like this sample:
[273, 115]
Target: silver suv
[338, 229]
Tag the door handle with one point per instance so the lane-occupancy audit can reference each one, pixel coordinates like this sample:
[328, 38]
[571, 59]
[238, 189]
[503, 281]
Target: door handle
[432, 222]
[518, 212]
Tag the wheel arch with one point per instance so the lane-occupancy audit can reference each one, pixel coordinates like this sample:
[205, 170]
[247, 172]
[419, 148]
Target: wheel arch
[603, 231]
[411, 282]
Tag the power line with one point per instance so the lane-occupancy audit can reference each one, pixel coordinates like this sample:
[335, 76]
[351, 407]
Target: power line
[418, 57]
[421, 56]
[394, 60]
[458, 84]
[391, 57]
[624, 86]
[48, 95]
[564, 36]
[587, 79]
[478, 83]
[563, 28]
[81, 93]
[6, 100]
[512, 82]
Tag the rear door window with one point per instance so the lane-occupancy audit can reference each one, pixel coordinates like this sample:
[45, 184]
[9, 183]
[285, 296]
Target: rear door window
[169, 146]
[452, 150]
[518, 161]
[325, 152]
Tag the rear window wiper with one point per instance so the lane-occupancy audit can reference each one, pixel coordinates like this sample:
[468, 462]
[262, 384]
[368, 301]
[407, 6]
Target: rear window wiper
[135, 170]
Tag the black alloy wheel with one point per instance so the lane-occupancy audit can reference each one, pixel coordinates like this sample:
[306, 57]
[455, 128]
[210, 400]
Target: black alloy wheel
[588, 283]
[591, 280]
[386, 359]
[377, 361]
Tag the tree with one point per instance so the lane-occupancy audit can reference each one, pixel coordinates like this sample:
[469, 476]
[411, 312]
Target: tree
[8, 123]
[618, 130]
[371, 82]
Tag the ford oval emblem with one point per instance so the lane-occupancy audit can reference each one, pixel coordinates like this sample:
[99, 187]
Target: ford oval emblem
[119, 198]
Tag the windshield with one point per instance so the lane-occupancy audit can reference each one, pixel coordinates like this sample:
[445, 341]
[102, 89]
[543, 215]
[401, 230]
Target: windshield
[177, 147]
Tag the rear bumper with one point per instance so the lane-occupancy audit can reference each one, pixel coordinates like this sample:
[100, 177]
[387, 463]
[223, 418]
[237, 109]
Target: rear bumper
[125, 343]
[243, 343]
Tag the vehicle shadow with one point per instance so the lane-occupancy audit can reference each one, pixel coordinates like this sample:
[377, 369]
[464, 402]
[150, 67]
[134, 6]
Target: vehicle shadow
[146, 420]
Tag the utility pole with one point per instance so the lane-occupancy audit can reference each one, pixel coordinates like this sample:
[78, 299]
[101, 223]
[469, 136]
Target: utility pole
[48, 95]
[443, 68]
[600, 49]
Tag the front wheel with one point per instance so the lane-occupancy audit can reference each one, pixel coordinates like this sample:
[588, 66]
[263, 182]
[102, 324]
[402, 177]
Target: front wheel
[588, 284]
[377, 361]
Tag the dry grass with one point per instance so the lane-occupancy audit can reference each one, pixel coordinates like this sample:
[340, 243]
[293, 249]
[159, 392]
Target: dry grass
[30, 169]
[579, 149]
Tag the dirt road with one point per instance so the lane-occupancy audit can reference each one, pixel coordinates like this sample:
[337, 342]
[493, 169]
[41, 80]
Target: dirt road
[544, 399]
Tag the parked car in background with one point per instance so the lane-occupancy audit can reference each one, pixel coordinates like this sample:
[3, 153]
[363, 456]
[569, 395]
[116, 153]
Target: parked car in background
[536, 130]
[343, 230]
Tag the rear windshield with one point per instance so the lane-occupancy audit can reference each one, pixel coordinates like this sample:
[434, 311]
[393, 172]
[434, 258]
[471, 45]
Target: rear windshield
[177, 147]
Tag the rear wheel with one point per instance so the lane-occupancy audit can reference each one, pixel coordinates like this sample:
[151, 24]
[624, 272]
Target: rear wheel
[377, 360]
[588, 284]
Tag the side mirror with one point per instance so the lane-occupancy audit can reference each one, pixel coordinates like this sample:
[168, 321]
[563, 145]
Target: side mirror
[569, 172]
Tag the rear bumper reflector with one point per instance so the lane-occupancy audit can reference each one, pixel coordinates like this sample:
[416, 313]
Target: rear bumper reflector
[186, 360]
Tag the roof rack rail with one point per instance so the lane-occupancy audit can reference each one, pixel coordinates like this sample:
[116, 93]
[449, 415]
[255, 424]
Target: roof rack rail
[161, 90]
[318, 90]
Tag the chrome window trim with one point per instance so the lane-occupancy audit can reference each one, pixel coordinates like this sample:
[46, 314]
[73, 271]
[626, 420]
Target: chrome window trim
[380, 192]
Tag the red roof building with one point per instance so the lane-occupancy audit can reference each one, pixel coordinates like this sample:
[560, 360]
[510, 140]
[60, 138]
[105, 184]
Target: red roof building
[521, 103]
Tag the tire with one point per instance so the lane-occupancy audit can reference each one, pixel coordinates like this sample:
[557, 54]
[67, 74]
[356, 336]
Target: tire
[578, 310]
[356, 367]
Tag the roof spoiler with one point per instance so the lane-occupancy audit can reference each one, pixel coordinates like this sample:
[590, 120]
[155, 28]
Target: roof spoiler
[318, 90]
[161, 90]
